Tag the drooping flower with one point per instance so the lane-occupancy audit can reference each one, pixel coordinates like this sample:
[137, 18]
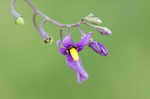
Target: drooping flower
[99, 48]
[70, 50]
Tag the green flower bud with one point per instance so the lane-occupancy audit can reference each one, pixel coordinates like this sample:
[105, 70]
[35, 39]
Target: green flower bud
[94, 20]
[20, 21]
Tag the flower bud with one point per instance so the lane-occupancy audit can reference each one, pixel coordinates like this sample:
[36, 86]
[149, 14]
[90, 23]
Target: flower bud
[20, 20]
[103, 30]
[48, 40]
[98, 48]
[93, 20]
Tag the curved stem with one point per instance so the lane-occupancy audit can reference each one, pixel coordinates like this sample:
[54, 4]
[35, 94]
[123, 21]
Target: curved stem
[67, 30]
[43, 34]
[48, 18]
[15, 14]
[34, 23]
[42, 15]
[81, 31]
[13, 5]
[42, 25]
[60, 33]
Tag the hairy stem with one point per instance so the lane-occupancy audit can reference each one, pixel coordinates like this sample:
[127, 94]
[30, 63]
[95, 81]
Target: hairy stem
[61, 34]
[81, 31]
[46, 17]
[15, 14]
[43, 34]
[42, 25]
[42, 15]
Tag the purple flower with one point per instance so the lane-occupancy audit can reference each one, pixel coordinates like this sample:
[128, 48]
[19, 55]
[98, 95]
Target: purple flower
[98, 48]
[70, 49]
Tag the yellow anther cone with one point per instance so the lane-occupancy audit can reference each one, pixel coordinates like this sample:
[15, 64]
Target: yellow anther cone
[74, 54]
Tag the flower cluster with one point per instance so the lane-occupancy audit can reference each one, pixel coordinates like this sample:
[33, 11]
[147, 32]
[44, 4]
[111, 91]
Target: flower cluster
[71, 51]
[65, 45]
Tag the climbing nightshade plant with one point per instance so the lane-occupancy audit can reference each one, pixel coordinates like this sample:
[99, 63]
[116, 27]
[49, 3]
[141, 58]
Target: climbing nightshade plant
[65, 45]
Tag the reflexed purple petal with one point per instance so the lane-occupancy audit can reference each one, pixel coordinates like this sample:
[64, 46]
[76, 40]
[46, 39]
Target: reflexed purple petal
[67, 42]
[81, 78]
[99, 48]
[77, 67]
[61, 50]
[84, 41]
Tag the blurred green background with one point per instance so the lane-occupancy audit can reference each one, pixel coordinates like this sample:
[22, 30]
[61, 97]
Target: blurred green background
[29, 69]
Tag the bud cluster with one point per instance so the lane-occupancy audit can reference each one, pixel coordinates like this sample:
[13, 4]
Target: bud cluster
[91, 20]
[95, 22]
